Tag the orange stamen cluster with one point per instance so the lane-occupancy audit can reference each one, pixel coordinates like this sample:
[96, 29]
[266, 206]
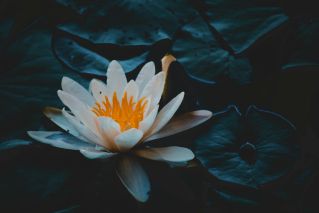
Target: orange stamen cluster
[127, 114]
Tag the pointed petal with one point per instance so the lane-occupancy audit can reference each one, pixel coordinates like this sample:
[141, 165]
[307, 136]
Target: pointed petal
[182, 123]
[166, 114]
[57, 117]
[145, 75]
[99, 90]
[154, 89]
[109, 129]
[96, 154]
[131, 89]
[59, 139]
[128, 139]
[116, 79]
[80, 110]
[148, 121]
[83, 130]
[134, 178]
[166, 62]
[170, 153]
[74, 88]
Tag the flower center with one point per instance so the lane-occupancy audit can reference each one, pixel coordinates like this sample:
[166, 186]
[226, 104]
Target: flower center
[126, 113]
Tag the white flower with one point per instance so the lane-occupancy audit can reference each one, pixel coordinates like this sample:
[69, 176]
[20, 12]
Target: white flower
[120, 117]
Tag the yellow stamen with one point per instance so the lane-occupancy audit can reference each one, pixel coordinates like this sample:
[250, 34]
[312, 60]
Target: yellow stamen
[127, 114]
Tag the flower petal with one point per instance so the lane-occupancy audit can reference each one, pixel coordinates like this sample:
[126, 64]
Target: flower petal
[166, 114]
[154, 89]
[96, 154]
[166, 62]
[134, 178]
[128, 139]
[131, 90]
[57, 117]
[74, 88]
[99, 90]
[148, 121]
[83, 130]
[109, 129]
[80, 110]
[59, 139]
[145, 75]
[182, 123]
[116, 79]
[170, 153]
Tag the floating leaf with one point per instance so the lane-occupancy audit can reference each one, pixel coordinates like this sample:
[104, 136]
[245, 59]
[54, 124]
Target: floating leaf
[302, 45]
[13, 144]
[252, 149]
[243, 23]
[30, 77]
[204, 59]
[85, 57]
[125, 22]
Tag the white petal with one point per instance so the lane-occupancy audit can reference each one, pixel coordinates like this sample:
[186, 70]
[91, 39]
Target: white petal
[170, 153]
[148, 121]
[99, 90]
[166, 113]
[72, 87]
[96, 154]
[128, 139]
[116, 79]
[145, 75]
[80, 110]
[182, 123]
[134, 178]
[109, 129]
[59, 139]
[57, 117]
[148, 108]
[166, 62]
[131, 89]
[154, 89]
[83, 130]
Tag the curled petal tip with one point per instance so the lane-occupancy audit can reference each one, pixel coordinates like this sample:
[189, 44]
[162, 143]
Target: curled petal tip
[166, 62]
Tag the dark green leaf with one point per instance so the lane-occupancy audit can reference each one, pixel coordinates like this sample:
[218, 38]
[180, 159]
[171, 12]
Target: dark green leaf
[88, 58]
[204, 59]
[243, 23]
[125, 22]
[302, 45]
[31, 75]
[252, 149]
[13, 144]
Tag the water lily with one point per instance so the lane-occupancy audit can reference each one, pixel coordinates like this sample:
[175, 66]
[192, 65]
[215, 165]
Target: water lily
[118, 118]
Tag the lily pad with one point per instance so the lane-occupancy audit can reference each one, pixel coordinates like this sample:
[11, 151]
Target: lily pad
[125, 22]
[11, 144]
[28, 178]
[234, 198]
[203, 58]
[5, 27]
[243, 23]
[30, 77]
[93, 59]
[251, 150]
[302, 46]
